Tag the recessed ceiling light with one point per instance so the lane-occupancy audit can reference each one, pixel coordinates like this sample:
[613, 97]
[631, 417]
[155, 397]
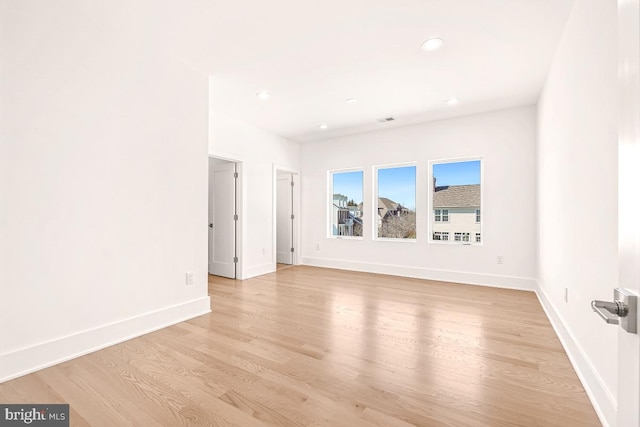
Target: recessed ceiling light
[323, 126]
[452, 101]
[432, 44]
[263, 95]
[351, 100]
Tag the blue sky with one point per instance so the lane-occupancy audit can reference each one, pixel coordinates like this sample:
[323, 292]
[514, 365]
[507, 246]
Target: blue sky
[348, 184]
[399, 185]
[459, 173]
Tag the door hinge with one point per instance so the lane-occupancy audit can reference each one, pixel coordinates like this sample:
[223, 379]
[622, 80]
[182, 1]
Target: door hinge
[292, 216]
[292, 183]
[291, 249]
[235, 259]
[235, 174]
[235, 217]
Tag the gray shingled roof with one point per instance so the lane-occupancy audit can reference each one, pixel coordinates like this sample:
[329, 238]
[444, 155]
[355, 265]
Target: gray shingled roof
[457, 196]
[383, 202]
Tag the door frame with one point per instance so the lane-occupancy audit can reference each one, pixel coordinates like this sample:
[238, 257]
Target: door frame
[295, 173]
[628, 361]
[240, 204]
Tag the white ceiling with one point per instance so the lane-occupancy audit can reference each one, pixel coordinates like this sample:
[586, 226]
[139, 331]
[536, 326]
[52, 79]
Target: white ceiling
[313, 55]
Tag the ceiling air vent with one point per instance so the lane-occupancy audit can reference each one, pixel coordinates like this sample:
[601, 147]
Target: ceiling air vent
[386, 119]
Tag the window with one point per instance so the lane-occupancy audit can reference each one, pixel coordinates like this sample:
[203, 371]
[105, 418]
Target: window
[461, 237]
[441, 235]
[456, 195]
[345, 206]
[395, 210]
[441, 215]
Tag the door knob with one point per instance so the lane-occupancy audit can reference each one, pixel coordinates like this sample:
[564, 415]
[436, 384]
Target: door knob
[614, 310]
[623, 310]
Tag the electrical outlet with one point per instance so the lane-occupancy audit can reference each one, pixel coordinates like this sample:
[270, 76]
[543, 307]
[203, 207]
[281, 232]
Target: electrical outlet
[317, 246]
[264, 251]
[190, 278]
[566, 295]
[500, 259]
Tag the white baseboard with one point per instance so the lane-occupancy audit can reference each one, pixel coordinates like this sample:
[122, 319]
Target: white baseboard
[30, 359]
[509, 282]
[601, 398]
[259, 270]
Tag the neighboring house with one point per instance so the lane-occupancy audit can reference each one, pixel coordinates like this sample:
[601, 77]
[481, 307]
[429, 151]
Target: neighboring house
[345, 221]
[388, 208]
[355, 210]
[456, 213]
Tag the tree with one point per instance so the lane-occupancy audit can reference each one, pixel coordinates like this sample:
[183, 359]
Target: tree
[357, 229]
[399, 227]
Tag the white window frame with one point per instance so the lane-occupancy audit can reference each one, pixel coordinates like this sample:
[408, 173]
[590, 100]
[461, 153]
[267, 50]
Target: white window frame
[431, 209]
[442, 234]
[460, 237]
[329, 202]
[374, 203]
[442, 214]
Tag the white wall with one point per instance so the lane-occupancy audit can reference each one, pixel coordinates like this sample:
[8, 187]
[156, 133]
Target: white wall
[259, 151]
[505, 139]
[577, 196]
[104, 174]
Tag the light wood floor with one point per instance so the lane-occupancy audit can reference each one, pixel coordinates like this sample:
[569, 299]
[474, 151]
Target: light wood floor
[319, 347]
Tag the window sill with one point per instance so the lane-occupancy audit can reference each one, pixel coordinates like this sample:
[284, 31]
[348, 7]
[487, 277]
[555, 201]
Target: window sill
[345, 237]
[454, 243]
[393, 239]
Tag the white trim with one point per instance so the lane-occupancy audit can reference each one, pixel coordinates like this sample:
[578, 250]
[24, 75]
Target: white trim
[441, 215]
[442, 234]
[30, 359]
[461, 234]
[495, 281]
[297, 195]
[601, 398]
[227, 157]
[259, 270]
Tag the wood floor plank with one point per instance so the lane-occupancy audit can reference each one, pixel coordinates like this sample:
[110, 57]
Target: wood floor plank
[306, 346]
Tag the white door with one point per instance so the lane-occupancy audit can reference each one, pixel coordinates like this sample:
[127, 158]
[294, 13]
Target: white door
[284, 222]
[629, 203]
[222, 231]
